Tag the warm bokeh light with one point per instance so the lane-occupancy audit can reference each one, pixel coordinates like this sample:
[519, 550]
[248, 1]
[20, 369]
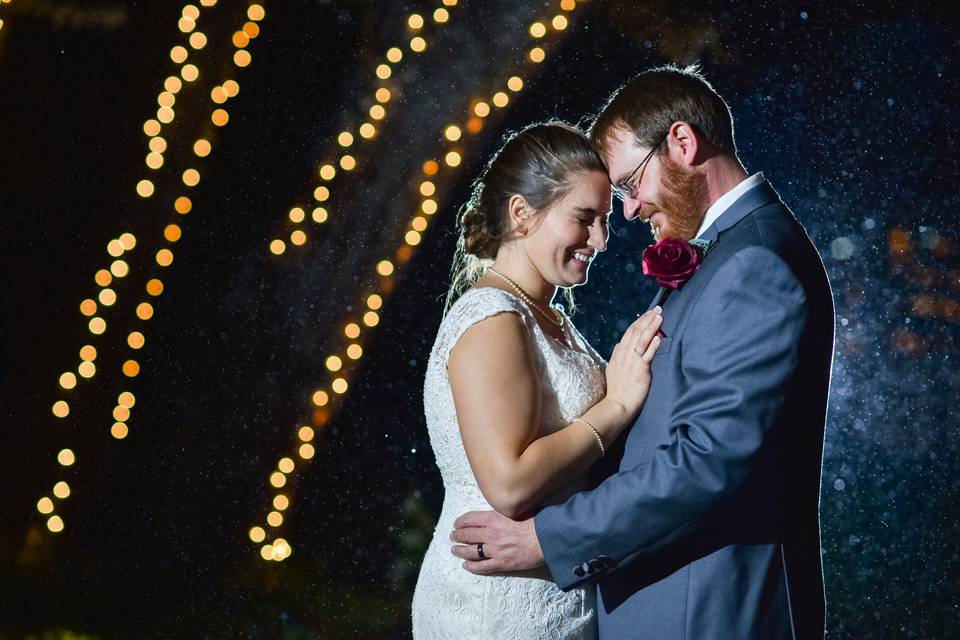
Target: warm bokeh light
[306, 451]
[55, 524]
[374, 302]
[186, 24]
[419, 223]
[88, 353]
[412, 238]
[173, 84]
[275, 518]
[334, 363]
[441, 15]
[157, 144]
[189, 72]
[277, 247]
[354, 352]
[297, 215]
[198, 40]
[515, 83]
[394, 55]
[66, 457]
[231, 88]
[97, 325]
[383, 71]
[367, 130]
[320, 398]
[202, 148]
[126, 399]
[242, 58]
[281, 502]
[190, 12]
[385, 267]
[418, 44]
[285, 465]
[298, 238]
[568, 5]
[537, 54]
[145, 188]
[377, 112]
[427, 188]
[452, 159]
[119, 430]
[178, 54]
[500, 99]
[144, 310]
[131, 368]
[277, 479]
[127, 240]
[257, 534]
[352, 331]
[320, 215]
[61, 409]
[135, 340]
[345, 139]
[415, 21]
[172, 232]
[252, 29]
[240, 39]
[165, 115]
[61, 490]
[452, 133]
[256, 12]
[327, 172]
[45, 505]
[266, 552]
[348, 163]
[164, 257]
[103, 277]
[430, 167]
[306, 433]
[154, 160]
[429, 206]
[191, 177]
[339, 385]
[107, 297]
[121, 413]
[481, 109]
[538, 30]
[383, 95]
[371, 318]
[560, 22]
[88, 307]
[119, 268]
[321, 194]
[220, 117]
[218, 95]
[87, 369]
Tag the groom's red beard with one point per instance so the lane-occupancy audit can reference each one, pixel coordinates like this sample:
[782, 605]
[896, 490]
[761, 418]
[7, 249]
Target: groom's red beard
[683, 200]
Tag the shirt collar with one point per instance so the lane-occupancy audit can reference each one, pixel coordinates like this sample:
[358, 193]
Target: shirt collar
[723, 202]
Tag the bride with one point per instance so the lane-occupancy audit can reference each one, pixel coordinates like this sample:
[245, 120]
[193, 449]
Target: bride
[518, 405]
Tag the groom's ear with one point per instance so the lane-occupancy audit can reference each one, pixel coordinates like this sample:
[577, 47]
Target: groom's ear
[684, 143]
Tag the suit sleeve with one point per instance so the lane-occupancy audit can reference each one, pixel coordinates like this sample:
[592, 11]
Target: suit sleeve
[739, 355]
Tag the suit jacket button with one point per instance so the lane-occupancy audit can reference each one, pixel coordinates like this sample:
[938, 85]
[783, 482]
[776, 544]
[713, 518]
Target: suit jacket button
[579, 572]
[597, 565]
[587, 567]
[607, 561]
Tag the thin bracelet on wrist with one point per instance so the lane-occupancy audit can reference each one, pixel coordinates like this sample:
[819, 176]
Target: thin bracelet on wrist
[596, 434]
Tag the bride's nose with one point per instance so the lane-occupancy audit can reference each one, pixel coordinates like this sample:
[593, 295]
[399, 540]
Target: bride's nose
[598, 237]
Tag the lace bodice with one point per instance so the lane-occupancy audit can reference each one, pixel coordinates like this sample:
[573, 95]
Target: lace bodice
[450, 602]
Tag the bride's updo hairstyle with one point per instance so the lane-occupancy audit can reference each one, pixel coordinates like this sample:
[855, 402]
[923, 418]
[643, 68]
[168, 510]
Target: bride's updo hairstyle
[538, 163]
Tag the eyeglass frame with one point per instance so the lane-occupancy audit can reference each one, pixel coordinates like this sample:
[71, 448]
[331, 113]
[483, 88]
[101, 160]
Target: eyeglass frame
[621, 190]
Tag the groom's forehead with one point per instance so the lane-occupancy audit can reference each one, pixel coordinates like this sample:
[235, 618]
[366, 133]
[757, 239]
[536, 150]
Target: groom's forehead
[619, 151]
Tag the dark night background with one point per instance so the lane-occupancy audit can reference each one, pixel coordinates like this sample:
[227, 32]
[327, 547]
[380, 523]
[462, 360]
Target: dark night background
[848, 108]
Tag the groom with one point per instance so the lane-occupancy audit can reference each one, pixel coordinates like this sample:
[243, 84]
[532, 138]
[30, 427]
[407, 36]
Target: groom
[710, 528]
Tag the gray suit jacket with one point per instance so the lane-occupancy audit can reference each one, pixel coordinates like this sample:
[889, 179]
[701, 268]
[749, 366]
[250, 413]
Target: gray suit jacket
[708, 528]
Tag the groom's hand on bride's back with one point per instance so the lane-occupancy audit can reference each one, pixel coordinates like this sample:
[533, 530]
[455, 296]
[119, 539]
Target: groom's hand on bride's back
[508, 545]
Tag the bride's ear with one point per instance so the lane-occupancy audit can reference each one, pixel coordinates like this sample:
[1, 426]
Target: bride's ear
[521, 214]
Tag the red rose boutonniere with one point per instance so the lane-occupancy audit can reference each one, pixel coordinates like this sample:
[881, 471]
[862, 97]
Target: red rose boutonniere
[673, 262]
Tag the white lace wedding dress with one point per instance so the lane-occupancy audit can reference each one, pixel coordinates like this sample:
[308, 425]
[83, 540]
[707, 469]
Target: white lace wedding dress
[449, 602]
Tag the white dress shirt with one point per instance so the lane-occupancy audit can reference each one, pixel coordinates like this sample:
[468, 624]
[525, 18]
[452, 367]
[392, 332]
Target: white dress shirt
[723, 202]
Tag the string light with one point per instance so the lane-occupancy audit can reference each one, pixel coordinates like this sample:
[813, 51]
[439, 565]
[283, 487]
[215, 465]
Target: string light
[117, 248]
[385, 71]
[341, 364]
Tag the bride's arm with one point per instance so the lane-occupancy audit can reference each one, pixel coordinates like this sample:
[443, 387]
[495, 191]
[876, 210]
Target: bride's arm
[496, 392]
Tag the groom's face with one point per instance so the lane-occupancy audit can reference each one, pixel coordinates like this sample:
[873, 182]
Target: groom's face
[668, 196]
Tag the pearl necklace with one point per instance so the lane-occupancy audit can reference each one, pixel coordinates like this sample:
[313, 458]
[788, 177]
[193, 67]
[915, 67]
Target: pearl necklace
[554, 318]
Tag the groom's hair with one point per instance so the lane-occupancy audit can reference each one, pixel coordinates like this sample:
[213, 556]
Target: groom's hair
[651, 101]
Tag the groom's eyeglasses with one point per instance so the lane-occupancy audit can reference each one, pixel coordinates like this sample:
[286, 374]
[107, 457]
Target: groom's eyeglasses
[626, 188]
